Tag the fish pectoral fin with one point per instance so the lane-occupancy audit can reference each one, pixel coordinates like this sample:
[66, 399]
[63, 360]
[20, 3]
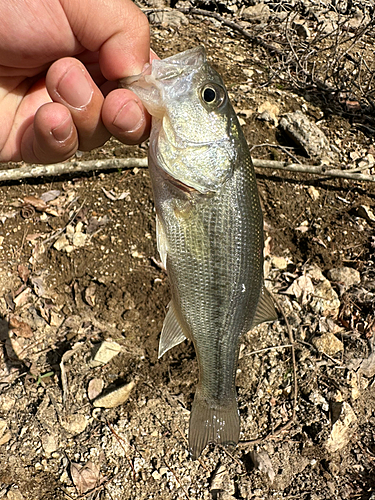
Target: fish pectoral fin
[161, 242]
[171, 333]
[208, 424]
[265, 309]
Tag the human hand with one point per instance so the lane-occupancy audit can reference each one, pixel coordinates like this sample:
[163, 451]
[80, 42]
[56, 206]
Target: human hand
[50, 109]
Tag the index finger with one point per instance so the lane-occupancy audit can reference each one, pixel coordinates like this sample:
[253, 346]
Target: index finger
[117, 29]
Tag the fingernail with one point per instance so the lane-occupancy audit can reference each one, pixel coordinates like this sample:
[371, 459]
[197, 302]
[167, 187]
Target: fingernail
[130, 117]
[74, 88]
[63, 131]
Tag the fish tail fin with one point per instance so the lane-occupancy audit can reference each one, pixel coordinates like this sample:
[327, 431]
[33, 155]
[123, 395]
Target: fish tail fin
[212, 424]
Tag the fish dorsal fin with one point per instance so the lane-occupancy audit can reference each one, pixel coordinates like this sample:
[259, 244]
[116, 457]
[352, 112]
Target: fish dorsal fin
[171, 333]
[161, 242]
[265, 309]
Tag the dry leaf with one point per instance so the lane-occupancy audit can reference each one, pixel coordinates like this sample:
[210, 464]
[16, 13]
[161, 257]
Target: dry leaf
[38, 286]
[20, 328]
[85, 477]
[50, 195]
[23, 272]
[23, 298]
[35, 202]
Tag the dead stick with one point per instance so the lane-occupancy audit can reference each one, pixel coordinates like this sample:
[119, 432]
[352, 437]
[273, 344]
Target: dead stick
[34, 171]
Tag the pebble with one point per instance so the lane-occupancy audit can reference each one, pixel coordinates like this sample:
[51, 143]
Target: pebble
[269, 112]
[95, 387]
[172, 18]
[222, 482]
[14, 494]
[49, 443]
[103, 353]
[305, 133]
[262, 462]
[325, 300]
[345, 276]
[115, 398]
[61, 243]
[279, 262]
[328, 343]
[259, 13]
[74, 424]
[342, 429]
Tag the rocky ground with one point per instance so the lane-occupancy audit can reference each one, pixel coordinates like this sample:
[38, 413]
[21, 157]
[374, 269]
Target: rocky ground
[86, 408]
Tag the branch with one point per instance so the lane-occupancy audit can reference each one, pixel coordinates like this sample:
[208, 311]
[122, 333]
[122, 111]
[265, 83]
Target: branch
[35, 171]
[314, 169]
[75, 166]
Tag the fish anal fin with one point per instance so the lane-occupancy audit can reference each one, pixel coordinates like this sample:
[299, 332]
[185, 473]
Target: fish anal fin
[212, 424]
[265, 309]
[171, 333]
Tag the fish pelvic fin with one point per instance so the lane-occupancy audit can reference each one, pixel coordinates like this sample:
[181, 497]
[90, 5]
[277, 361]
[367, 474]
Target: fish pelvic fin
[212, 424]
[171, 333]
[265, 309]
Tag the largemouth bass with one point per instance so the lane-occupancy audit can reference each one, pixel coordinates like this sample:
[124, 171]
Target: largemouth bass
[209, 231]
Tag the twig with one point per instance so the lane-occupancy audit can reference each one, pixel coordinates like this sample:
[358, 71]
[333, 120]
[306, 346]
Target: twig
[177, 479]
[110, 164]
[312, 169]
[119, 439]
[32, 171]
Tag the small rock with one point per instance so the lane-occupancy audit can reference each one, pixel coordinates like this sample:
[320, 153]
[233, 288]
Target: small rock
[56, 319]
[79, 239]
[103, 353]
[325, 300]
[5, 438]
[262, 462]
[115, 398]
[367, 366]
[358, 383]
[345, 276]
[156, 475]
[313, 192]
[74, 424]
[95, 387]
[61, 243]
[279, 262]
[172, 18]
[305, 133]
[49, 443]
[14, 494]
[342, 429]
[328, 343]
[268, 112]
[259, 13]
[222, 482]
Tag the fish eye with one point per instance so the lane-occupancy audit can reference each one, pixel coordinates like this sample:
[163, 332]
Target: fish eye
[214, 95]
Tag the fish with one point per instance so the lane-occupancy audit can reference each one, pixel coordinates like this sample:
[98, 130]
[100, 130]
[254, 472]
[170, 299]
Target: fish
[209, 228]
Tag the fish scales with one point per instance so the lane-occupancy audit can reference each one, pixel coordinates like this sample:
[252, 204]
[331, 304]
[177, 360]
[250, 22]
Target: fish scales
[209, 230]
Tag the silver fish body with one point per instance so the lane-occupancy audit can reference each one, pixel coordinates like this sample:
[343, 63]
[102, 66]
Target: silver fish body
[209, 231]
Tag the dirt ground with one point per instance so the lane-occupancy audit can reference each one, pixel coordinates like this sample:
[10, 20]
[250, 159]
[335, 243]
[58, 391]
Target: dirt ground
[79, 266]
